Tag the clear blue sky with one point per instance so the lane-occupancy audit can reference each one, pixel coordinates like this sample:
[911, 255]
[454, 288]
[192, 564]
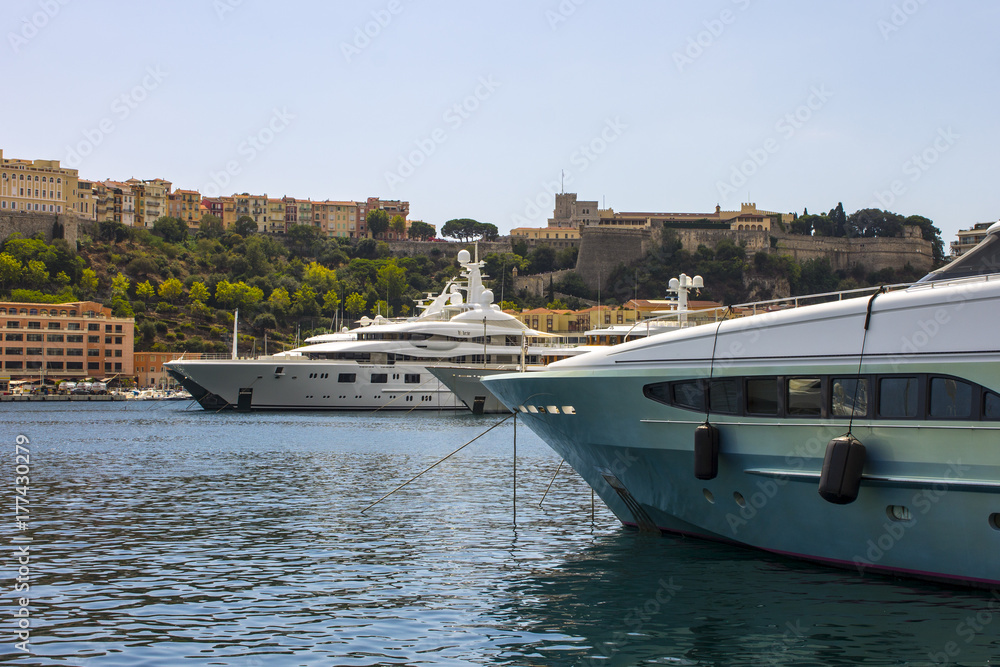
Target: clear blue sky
[472, 110]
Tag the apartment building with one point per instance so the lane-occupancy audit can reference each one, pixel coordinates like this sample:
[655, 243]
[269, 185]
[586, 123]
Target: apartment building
[66, 341]
[37, 186]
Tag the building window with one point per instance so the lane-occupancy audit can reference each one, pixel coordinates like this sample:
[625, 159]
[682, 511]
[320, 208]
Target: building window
[93, 339]
[93, 353]
[34, 325]
[55, 325]
[93, 326]
[54, 338]
[17, 337]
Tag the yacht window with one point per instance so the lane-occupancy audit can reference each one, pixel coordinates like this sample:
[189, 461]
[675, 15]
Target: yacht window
[897, 397]
[690, 395]
[804, 397]
[762, 396]
[279, 370]
[724, 396]
[659, 392]
[347, 377]
[380, 378]
[991, 405]
[412, 378]
[950, 399]
[848, 392]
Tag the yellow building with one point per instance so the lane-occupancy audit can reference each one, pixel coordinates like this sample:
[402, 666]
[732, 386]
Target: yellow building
[275, 220]
[557, 237]
[37, 186]
[185, 205]
[86, 200]
[122, 203]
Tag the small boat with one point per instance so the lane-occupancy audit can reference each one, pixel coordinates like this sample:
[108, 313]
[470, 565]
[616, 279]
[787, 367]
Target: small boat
[861, 431]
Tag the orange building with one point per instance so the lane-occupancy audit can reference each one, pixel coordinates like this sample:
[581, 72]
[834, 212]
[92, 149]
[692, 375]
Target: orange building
[65, 341]
[149, 370]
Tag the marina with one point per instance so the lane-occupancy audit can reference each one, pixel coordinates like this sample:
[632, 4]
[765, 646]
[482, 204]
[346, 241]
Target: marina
[165, 536]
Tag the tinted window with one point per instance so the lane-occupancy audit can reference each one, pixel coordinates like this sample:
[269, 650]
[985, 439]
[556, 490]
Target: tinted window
[762, 396]
[659, 391]
[724, 396]
[950, 398]
[380, 378]
[991, 406]
[412, 378]
[848, 392]
[347, 377]
[804, 397]
[690, 395]
[897, 397]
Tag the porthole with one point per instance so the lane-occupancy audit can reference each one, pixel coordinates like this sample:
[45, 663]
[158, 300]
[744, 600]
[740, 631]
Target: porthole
[899, 513]
[532, 409]
[740, 500]
[995, 521]
[551, 409]
[708, 496]
[522, 408]
[568, 410]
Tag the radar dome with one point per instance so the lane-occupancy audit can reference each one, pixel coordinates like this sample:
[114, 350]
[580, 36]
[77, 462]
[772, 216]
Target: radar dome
[464, 257]
[487, 297]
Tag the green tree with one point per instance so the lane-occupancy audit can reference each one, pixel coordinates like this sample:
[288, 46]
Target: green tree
[355, 305]
[112, 232]
[88, 282]
[238, 295]
[320, 278]
[210, 227]
[145, 291]
[398, 226]
[245, 226]
[463, 229]
[265, 322]
[35, 274]
[199, 293]
[304, 302]
[171, 229]
[171, 290]
[382, 308]
[119, 286]
[421, 230]
[391, 280]
[280, 301]
[330, 301]
[11, 271]
[378, 222]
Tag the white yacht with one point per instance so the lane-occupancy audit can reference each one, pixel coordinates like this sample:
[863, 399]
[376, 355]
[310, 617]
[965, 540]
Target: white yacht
[862, 432]
[382, 364]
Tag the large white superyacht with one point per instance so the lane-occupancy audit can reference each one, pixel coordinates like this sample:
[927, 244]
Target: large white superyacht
[862, 432]
[380, 365]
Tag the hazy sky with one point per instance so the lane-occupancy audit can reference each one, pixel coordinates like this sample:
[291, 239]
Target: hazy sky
[473, 110]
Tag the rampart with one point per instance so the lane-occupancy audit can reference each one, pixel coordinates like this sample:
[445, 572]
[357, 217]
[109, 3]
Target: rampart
[53, 225]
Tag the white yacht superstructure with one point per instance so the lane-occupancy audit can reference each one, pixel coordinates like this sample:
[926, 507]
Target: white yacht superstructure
[379, 365]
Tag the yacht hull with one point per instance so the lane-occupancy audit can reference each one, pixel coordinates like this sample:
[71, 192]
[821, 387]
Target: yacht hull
[929, 499]
[271, 384]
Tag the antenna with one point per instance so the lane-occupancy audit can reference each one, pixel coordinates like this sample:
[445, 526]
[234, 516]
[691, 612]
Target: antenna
[562, 181]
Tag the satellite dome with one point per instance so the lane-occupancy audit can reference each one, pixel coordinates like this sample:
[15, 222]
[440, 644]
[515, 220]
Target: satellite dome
[464, 257]
[487, 297]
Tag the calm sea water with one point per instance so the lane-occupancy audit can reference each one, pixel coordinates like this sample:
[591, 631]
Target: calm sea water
[169, 536]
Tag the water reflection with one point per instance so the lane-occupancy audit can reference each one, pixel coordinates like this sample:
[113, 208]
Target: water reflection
[166, 537]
